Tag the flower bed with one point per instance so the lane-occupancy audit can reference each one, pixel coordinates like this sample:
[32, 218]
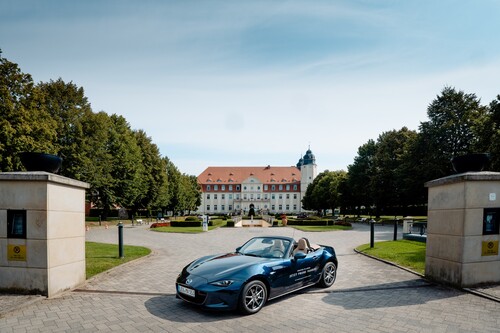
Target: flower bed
[160, 224]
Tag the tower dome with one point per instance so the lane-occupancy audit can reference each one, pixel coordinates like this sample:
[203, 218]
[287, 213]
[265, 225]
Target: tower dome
[309, 158]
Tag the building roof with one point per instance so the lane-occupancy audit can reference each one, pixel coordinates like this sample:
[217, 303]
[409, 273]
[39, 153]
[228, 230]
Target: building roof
[237, 175]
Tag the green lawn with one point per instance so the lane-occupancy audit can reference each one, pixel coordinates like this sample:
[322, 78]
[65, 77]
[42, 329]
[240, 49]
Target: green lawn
[320, 227]
[405, 253]
[101, 257]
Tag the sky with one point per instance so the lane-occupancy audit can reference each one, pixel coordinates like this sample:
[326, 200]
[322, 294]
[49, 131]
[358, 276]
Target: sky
[256, 83]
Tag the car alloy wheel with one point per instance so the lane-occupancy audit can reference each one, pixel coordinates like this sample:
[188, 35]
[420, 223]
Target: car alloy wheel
[329, 275]
[253, 297]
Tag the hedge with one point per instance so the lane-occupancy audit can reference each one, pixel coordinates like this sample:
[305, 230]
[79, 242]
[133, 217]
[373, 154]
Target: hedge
[310, 222]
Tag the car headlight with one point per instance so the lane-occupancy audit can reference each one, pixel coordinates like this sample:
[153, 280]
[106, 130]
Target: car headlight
[222, 283]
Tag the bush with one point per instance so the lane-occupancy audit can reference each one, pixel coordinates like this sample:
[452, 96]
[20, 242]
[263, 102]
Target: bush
[343, 223]
[310, 222]
[192, 219]
[185, 223]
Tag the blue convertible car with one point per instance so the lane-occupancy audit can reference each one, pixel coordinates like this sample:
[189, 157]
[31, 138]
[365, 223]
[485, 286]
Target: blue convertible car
[262, 269]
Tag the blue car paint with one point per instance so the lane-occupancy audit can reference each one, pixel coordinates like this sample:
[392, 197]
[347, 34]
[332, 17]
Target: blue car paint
[281, 275]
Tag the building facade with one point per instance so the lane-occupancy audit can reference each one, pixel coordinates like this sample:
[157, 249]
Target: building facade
[268, 189]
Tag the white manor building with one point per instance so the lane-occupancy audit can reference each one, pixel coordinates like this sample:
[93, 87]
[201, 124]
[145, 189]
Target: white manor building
[269, 189]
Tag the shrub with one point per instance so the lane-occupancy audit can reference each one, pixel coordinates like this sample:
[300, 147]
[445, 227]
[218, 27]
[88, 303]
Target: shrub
[192, 219]
[185, 223]
[309, 222]
[343, 223]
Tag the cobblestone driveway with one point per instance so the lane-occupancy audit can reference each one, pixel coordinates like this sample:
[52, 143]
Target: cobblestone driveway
[368, 296]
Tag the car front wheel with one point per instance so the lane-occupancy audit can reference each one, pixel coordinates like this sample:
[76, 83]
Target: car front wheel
[328, 275]
[253, 297]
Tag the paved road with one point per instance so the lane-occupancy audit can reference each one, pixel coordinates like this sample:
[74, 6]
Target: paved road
[368, 296]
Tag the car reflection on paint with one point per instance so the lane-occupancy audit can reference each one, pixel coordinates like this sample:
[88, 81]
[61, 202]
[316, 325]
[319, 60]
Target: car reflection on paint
[262, 269]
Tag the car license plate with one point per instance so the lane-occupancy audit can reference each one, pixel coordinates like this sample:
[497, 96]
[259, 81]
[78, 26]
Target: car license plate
[186, 291]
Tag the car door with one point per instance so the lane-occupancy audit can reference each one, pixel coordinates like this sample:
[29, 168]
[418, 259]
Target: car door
[303, 270]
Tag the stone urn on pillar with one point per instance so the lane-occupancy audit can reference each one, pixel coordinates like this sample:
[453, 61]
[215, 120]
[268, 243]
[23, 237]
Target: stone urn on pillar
[33, 161]
[470, 162]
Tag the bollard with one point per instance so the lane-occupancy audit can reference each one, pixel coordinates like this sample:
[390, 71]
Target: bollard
[120, 240]
[395, 230]
[372, 233]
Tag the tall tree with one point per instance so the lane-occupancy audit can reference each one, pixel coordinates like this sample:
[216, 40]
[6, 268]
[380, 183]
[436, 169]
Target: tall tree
[490, 134]
[154, 175]
[324, 192]
[24, 123]
[455, 120]
[388, 180]
[69, 108]
[359, 177]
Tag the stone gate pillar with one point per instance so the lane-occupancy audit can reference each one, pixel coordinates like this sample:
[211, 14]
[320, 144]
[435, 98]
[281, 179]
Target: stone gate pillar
[42, 232]
[463, 229]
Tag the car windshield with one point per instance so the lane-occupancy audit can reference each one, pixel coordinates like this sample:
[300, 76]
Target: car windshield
[266, 247]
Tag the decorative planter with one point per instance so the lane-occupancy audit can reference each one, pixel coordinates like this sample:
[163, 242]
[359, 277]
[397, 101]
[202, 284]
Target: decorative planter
[470, 162]
[41, 162]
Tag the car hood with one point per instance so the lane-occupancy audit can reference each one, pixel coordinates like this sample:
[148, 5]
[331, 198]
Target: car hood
[221, 265]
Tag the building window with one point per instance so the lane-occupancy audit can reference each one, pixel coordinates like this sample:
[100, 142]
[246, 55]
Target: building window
[258, 188]
[208, 196]
[223, 196]
[280, 207]
[272, 207]
[230, 187]
[280, 187]
[288, 196]
[295, 195]
[258, 196]
[237, 206]
[215, 207]
[222, 207]
[287, 207]
[208, 188]
[216, 187]
[237, 196]
[230, 207]
[244, 188]
[288, 187]
[223, 187]
[281, 196]
[273, 196]
[273, 187]
[251, 196]
[208, 207]
[295, 187]
[295, 207]
[215, 196]
[230, 196]
[244, 196]
[266, 187]
[237, 187]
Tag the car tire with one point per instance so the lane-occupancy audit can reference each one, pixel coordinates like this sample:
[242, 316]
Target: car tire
[328, 275]
[253, 297]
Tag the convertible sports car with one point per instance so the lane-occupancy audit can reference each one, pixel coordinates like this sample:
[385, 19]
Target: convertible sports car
[262, 269]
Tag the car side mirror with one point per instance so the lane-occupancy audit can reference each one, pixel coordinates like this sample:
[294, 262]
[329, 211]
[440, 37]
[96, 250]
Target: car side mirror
[299, 255]
[238, 249]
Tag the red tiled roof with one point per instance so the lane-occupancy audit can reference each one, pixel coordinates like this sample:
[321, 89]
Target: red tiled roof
[236, 175]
